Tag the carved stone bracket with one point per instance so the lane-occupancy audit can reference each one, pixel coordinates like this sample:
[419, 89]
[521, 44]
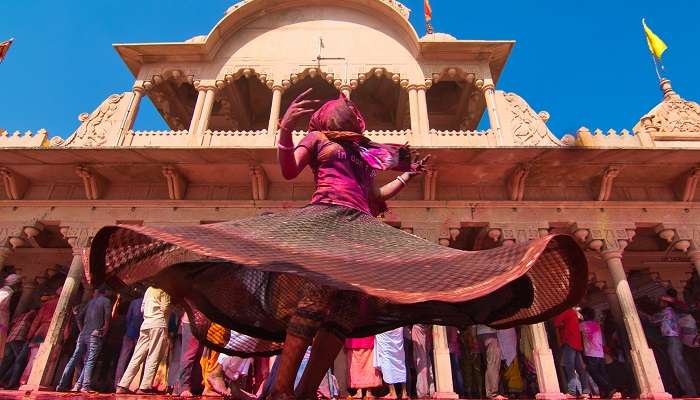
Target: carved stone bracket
[606, 182]
[516, 182]
[14, 183]
[679, 237]
[509, 233]
[78, 236]
[689, 185]
[177, 184]
[430, 184]
[31, 231]
[604, 237]
[93, 183]
[259, 182]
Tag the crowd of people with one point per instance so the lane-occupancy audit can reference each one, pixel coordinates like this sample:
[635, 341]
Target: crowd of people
[151, 349]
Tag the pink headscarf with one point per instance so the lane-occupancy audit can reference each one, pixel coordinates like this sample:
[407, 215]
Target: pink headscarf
[341, 121]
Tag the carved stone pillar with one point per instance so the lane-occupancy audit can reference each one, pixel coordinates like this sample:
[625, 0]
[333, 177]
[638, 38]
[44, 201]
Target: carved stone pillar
[413, 110]
[545, 368]
[50, 350]
[543, 358]
[611, 242]
[277, 91]
[139, 90]
[423, 120]
[209, 98]
[201, 94]
[488, 89]
[441, 354]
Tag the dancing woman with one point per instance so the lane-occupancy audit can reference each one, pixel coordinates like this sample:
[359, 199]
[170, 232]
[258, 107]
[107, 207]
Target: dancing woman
[331, 270]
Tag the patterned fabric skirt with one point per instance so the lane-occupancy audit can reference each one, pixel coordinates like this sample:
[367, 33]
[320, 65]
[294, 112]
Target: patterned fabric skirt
[363, 276]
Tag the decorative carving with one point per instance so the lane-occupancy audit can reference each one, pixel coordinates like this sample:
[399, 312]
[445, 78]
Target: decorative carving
[604, 237]
[102, 127]
[528, 128]
[15, 184]
[177, 185]
[673, 119]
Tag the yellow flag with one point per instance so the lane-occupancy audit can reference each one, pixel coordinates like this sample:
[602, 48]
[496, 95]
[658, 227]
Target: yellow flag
[656, 45]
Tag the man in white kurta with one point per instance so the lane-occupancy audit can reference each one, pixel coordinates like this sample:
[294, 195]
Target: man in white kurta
[390, 358]
[152, 341]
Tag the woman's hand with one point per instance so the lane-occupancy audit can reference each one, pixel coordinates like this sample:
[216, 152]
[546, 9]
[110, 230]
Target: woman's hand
[297, 109]
[418, 164]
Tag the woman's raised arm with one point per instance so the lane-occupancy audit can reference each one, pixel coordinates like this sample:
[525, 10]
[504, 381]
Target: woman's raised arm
[293, 161]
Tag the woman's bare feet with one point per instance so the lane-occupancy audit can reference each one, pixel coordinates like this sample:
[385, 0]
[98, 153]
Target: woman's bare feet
[215, 379]
[186, 393]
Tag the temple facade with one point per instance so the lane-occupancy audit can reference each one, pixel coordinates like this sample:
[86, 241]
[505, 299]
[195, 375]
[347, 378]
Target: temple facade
[631, 198]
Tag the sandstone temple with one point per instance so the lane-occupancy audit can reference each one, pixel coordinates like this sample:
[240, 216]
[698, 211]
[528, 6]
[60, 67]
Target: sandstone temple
[631, 198]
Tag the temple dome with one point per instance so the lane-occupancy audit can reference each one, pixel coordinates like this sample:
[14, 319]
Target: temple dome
[674, 115]
[438, 37]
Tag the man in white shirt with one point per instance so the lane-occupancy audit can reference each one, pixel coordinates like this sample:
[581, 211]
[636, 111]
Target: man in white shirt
[152, 341]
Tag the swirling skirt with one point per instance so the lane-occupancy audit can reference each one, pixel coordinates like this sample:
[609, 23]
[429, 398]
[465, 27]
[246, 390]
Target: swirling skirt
[249, 275]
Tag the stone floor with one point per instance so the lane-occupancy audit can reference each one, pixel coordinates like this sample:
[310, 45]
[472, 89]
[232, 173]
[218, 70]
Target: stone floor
[16, 395]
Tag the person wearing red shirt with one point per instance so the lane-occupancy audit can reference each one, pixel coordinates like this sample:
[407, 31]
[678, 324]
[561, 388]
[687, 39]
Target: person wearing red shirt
[567, 324]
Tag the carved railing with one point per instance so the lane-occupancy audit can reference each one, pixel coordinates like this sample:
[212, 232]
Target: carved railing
[611, 138]
[463, 138]
[26, 139]
[160, 133]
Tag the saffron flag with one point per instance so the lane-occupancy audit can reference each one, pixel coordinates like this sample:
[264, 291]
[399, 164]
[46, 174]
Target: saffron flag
[4, 48]
[428, 10]
[656, 45]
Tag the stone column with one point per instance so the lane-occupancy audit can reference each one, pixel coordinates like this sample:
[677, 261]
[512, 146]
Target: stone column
[277, 91]
[543, 358]
[209, 98]
[488, 89]
[643, 361]
[610, 241]
[139, 90]
[546, 370]
[414, 111]
[50, 350]
[201, 94]
[441, 355]
[424, 121]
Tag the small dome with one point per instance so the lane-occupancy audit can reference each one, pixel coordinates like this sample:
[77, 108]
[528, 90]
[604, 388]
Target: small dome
[196, 39]
[438, 37]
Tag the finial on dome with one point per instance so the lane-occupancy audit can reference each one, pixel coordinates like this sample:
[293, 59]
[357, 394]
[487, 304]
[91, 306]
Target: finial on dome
[667, 89]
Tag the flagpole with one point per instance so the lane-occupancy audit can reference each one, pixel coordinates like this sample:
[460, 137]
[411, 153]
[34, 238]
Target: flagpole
[656, 67]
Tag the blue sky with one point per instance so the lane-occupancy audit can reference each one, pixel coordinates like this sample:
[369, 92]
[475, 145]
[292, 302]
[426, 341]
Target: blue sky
[585, 62]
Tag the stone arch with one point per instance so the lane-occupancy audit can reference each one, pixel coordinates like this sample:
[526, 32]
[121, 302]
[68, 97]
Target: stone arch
[173, 94]
[382, 98]
[243, 101]
[455, 103]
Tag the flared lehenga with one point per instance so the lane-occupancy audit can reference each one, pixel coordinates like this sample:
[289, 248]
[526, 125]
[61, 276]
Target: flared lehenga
[248, 275]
